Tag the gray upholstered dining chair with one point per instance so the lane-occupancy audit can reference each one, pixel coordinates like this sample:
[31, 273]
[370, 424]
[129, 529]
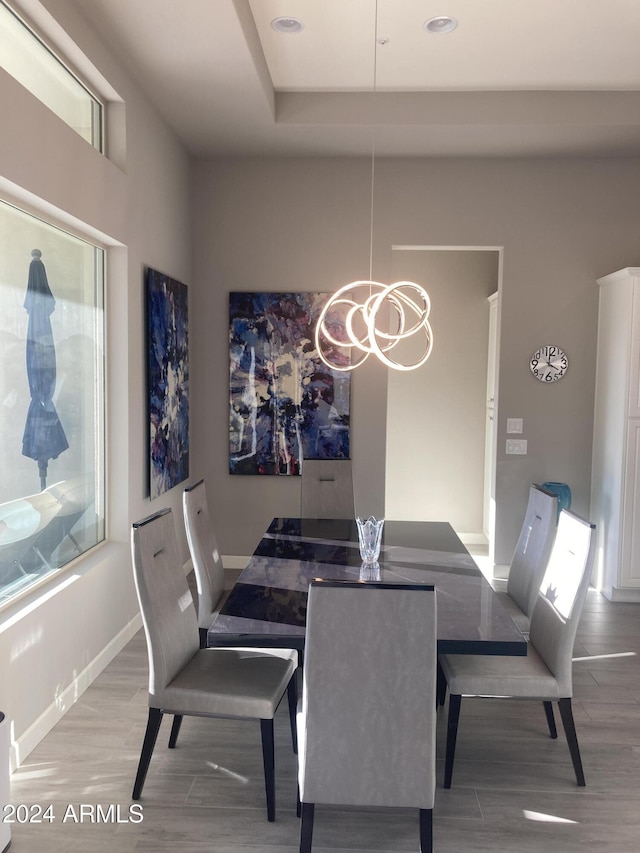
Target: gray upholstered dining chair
[327, 489]
[186, 680]
[366, 718]
[205, 556]
[531, 555]
[546, 671]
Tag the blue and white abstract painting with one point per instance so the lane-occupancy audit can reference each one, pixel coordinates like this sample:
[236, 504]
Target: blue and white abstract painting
[168, 378]
[285, 405]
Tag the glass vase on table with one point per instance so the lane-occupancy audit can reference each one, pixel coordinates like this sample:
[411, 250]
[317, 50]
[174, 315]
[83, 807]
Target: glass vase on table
[370, 538]
[370, 572]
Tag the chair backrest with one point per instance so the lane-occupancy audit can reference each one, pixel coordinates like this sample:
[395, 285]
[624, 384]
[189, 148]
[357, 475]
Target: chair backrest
[368, 697]
[327, 489]
[530, 559]
[205, 554]
[166, 603]
[558, 607]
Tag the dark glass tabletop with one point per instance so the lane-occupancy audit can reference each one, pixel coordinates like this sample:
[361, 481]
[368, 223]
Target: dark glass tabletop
[267, 606]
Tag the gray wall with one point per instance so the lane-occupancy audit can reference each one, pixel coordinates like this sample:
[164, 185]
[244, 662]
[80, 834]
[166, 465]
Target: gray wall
[436, 415]
[281, 224]
[56, 639]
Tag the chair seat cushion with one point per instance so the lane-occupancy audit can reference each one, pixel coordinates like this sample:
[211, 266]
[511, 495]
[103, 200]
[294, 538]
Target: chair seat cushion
[229, 682]
[497, 675]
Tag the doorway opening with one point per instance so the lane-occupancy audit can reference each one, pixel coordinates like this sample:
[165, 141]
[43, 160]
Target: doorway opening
[441, 437]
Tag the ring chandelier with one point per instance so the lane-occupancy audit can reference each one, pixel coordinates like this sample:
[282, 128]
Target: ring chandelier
[402, 306]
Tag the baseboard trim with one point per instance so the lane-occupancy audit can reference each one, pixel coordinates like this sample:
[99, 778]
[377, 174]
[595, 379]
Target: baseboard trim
[622, 594]
[501, 570]
[27, 741]
[473, 539]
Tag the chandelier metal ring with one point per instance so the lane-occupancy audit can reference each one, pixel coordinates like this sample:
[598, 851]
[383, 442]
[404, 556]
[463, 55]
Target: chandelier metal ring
[408, 301]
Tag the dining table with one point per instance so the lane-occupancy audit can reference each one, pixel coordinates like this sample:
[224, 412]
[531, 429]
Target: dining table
[267, 605]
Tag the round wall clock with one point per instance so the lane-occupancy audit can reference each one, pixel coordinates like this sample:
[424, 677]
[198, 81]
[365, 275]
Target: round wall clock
[548, 364]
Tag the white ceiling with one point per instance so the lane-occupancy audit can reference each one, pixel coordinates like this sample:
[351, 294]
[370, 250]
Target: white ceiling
[516, 78]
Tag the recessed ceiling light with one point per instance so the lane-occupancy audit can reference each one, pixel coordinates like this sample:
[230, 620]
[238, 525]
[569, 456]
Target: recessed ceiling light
[287, 25]
[441, 24]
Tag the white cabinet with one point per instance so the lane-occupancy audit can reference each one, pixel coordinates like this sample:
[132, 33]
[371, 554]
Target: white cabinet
[631, 508]
[615, 476]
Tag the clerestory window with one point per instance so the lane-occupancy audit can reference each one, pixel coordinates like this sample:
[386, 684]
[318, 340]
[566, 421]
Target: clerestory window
[34, 64]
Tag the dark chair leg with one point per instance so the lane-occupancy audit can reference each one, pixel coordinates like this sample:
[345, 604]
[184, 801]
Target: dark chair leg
[452, 733]
[175, 731]
[426, 830]
[551, 720]
[306, 827]
[441, 686]
[268, 761]
[298, 803]
[292, 696]
[150, 736]
[203, 637]
[570, 731]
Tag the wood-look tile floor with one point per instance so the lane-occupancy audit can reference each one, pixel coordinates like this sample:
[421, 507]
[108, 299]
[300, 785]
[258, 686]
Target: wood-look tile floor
[513, 788]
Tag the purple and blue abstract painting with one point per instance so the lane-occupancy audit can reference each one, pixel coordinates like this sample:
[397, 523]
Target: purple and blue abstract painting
[168, 378]
[285, 404]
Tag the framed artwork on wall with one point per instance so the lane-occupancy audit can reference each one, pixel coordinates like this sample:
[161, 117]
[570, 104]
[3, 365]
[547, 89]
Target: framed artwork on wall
[285, 404]
[167, 382]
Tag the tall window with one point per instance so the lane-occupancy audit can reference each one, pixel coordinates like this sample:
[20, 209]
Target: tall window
[26, 57]
[51, 399]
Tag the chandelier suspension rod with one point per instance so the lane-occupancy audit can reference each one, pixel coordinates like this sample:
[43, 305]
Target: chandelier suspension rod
[373, 135]
[407, 301]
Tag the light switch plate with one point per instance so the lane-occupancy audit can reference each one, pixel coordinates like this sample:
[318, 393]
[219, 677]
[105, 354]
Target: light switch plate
[517, 446]
[514, 425]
